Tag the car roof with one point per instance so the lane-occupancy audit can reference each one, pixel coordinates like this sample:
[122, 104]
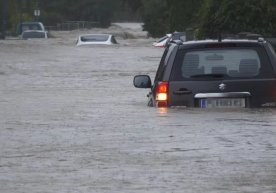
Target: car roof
[31, 22]
[228, 42]
[31, 30]
[90, 38]
[83, 35]
[222, 41]
[96, 39]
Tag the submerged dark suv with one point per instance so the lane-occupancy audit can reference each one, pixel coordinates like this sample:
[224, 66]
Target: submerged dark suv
[214, 74]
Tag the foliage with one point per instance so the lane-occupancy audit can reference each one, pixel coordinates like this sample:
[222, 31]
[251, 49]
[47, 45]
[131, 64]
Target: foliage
[11, 12]
[155, 17]
[208, 17]
[232, 17]
[129, 10]
[183, 14]
[84, 10]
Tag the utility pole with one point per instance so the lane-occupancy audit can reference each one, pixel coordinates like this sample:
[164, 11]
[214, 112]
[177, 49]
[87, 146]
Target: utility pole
[37, 10]
[4, 19]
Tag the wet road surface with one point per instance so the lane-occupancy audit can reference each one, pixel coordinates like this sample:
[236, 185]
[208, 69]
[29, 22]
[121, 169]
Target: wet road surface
[71, 121]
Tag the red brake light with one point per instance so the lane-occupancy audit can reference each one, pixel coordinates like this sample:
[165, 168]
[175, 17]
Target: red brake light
[162, 87]
[161, 46]
[162, 92]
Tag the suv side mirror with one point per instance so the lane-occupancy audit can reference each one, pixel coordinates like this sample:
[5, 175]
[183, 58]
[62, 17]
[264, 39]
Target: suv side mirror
[142, 81]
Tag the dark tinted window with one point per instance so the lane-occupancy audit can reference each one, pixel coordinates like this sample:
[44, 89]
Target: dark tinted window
[231, 62]
[164, 60]
[161, 65]
[30, 26]
[94, 38]
[273, 49]
[113, 40]
[272, 41]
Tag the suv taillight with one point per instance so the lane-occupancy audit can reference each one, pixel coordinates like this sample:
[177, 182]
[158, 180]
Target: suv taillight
[162, 94]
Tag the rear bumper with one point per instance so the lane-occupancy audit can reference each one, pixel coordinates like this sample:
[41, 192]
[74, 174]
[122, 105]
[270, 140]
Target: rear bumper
[222, 100]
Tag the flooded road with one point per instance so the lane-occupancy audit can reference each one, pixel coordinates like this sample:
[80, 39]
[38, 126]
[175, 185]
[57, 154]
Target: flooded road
[71, 121]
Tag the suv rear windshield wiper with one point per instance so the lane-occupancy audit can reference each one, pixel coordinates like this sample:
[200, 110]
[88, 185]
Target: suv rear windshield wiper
[209, 76]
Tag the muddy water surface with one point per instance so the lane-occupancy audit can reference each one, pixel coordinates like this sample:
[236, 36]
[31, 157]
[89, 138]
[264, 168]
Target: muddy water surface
[71, 121]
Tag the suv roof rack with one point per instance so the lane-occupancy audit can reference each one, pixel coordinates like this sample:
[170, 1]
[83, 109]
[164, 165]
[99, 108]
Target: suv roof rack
[178, 42]
[261, 39]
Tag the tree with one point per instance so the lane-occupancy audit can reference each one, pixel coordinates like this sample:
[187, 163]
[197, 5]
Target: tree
[83, 10]
[155, 17]
[2, 20]
[128, 10]
[167, 16]
[232, 17]
[183, 14]
[210, 17]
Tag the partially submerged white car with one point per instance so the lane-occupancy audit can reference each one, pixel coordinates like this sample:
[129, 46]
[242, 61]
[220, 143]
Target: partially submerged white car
[96, 39]
[161, 43]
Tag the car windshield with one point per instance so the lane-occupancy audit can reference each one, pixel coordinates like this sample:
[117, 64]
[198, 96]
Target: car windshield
[31, 27]
[220, 62]
[94, 38]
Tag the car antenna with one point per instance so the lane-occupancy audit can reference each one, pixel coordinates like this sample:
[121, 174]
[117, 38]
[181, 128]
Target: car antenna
[219, 37]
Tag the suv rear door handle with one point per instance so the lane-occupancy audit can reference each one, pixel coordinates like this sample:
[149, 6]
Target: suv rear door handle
[182, 91]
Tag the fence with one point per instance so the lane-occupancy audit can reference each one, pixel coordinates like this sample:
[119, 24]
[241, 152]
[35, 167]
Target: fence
[73, 25]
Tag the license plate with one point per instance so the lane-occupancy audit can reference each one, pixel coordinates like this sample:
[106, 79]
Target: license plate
[222, 103]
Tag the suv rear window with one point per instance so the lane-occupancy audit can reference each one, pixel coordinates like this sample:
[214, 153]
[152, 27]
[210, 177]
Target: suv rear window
[230, 62]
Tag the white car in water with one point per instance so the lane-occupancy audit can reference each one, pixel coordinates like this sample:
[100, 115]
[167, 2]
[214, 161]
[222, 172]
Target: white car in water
[96, 39]
[162, 42]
